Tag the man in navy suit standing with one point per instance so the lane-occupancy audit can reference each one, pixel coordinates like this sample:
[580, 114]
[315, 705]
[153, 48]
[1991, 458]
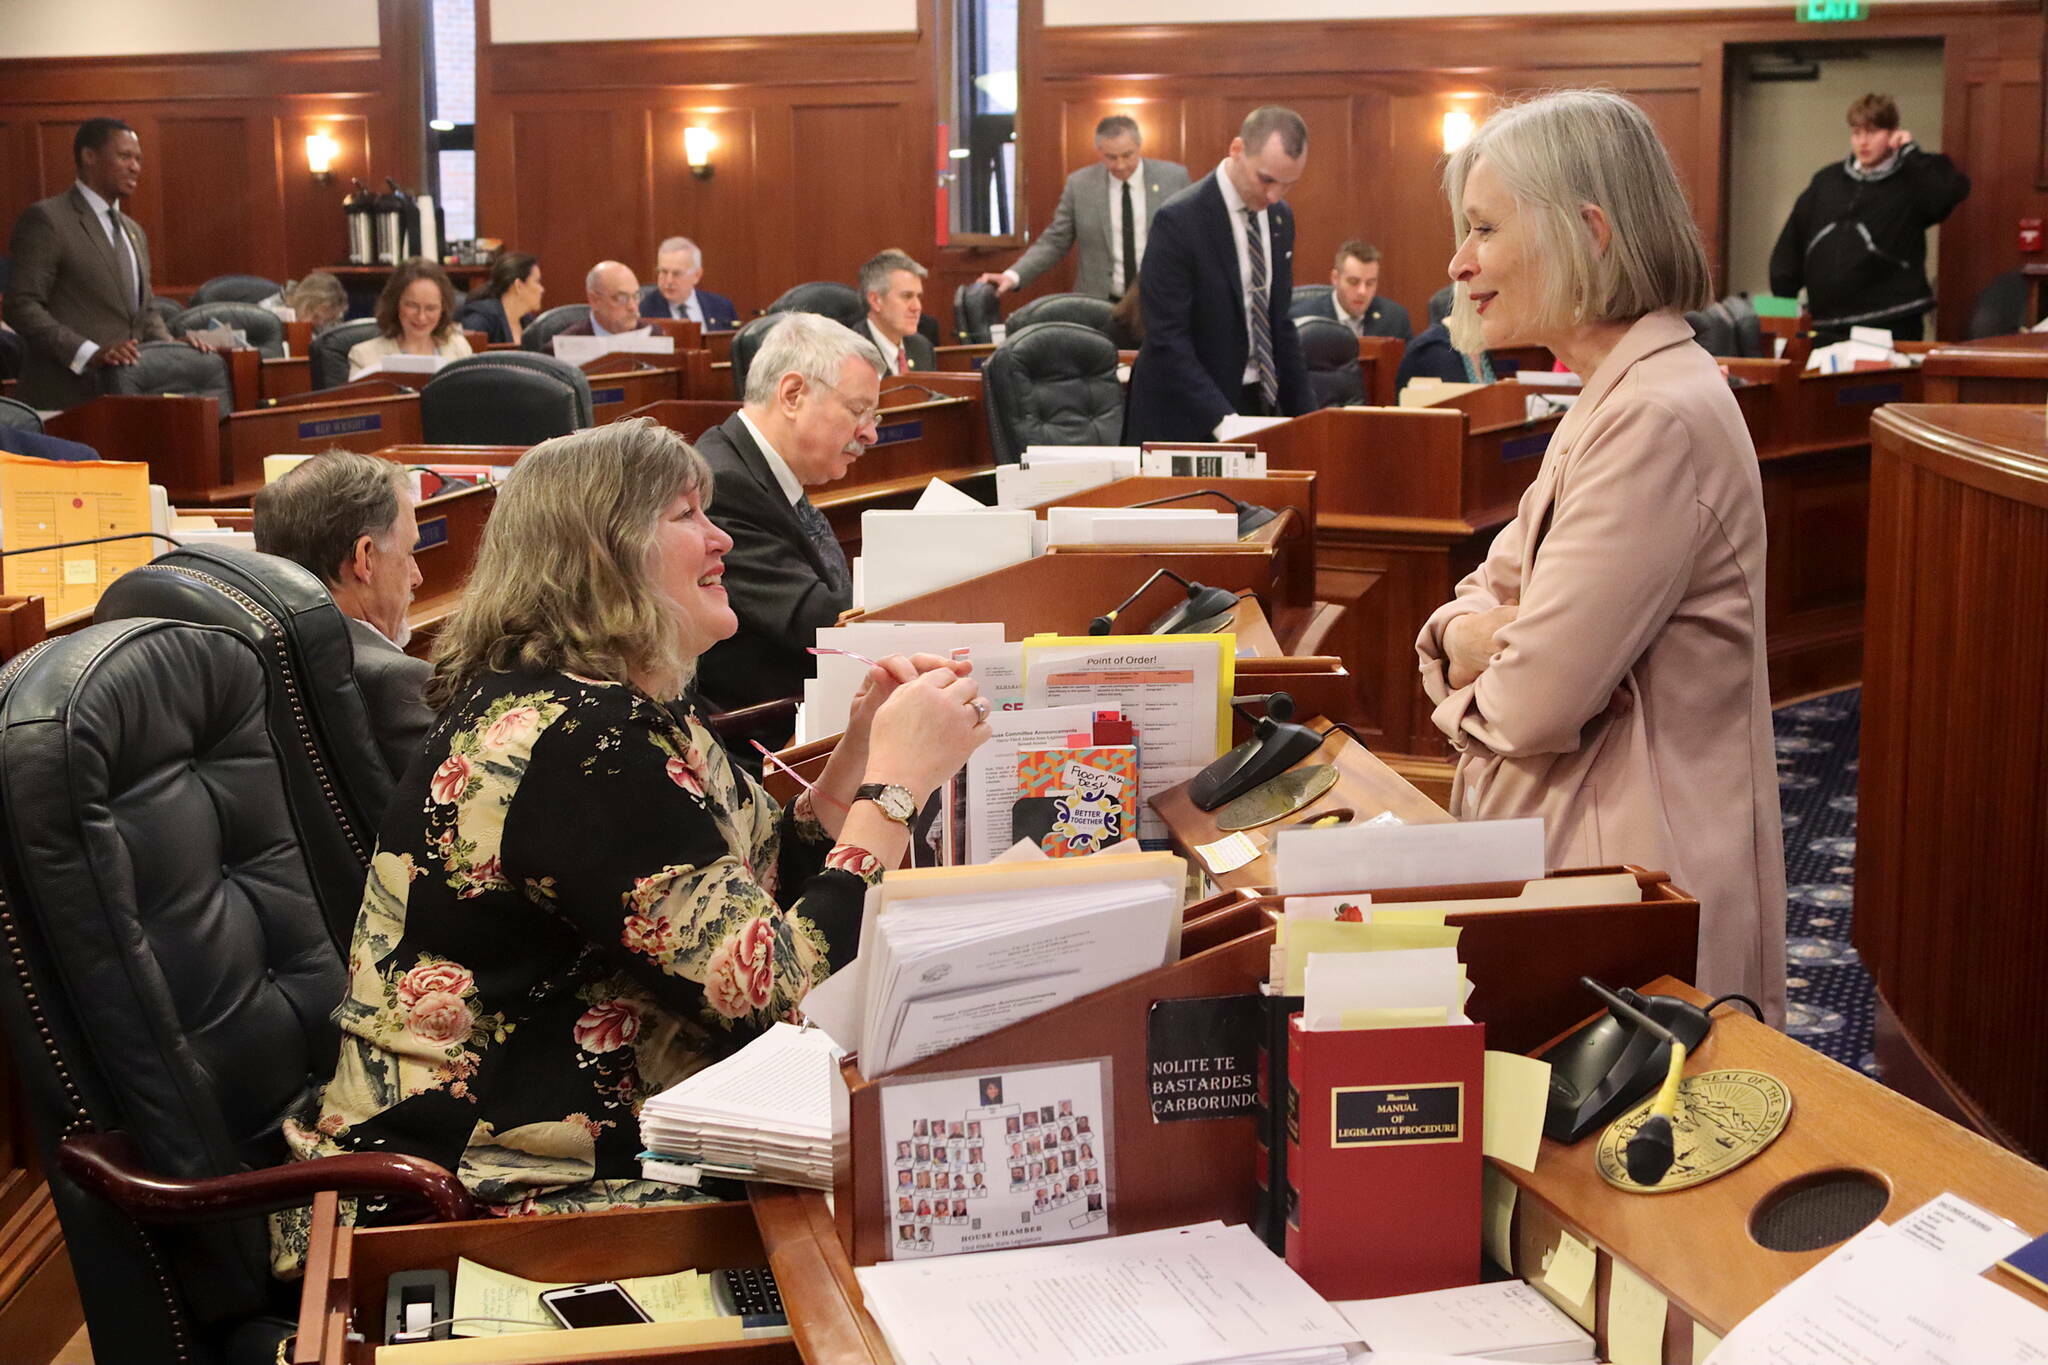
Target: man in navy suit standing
[1215, 285]
[678, 265]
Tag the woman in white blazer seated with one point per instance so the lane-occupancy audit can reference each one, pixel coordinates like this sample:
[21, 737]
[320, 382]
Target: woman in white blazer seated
[415, 316]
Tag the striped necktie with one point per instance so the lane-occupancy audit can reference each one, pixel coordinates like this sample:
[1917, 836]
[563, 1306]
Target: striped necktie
[1262, 322]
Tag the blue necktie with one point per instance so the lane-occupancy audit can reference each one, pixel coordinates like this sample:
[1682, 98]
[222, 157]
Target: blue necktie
[819, 532]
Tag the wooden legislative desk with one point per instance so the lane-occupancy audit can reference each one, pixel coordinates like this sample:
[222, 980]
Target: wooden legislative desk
[2010, 369]
[1950, 846]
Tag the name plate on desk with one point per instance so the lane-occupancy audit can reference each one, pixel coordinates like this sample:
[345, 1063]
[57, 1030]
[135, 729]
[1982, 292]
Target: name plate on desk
[341, 426]
[895, 432]
[607, 395]
[1525, 447]
[1869, 395]
[433, 531]
[1389, 1116]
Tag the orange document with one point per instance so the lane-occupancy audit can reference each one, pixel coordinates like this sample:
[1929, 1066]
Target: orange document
[55, 502]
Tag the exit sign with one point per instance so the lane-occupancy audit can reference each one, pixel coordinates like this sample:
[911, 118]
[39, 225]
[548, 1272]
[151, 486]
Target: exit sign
[1832, 11]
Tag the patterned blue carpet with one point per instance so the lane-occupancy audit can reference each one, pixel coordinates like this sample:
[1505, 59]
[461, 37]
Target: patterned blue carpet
[1829, 995]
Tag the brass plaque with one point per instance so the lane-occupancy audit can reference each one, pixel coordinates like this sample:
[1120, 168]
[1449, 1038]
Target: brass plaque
[1284, 795]
[1723, 1118]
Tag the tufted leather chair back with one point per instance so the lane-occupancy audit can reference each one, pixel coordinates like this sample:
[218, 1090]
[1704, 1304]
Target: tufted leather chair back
[263, 328]
[328, 358]
[746, 344]
[1085, 309]
[19, 416]
[1329, 350]
[2001, 309]
[539, 335]
[1054, 384]
[1714, 330]
[976, 309]
[334, 773]
[165, 308]
[168, 973]
[1749, 328]
[508, 398]
[840, 302]
[1310, 299]
[13, 353]
[173, 367]
[235, 289]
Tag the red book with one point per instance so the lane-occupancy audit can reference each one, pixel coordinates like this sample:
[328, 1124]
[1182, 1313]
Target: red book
[1384, 1130]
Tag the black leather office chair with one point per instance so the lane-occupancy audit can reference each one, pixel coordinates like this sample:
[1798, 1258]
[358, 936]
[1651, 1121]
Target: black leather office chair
[842, 303]
[1440, 303]
[19, 416]
[13, 354]
[745, 343]
[1085, 309]
[975, 309]
[1750, 342]
[539, 335]
[1330, 351]
[1310, 300]
[235, 289]
[2001, 309]
[165, 308]
[168, 985]
[1054, 384]
[173, 367]
[504, 398]
[328, 357]
[263, 328]
[334, 773]
[1713, 329]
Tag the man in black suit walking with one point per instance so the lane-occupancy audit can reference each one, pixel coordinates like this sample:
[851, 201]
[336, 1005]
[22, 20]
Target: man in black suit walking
[812, 395]
[1216, 285]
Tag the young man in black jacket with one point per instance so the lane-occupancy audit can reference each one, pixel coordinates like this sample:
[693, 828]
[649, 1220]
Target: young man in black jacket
[1857, 238]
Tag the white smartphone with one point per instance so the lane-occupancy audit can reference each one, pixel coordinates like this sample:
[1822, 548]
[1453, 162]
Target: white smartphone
[603, 1304]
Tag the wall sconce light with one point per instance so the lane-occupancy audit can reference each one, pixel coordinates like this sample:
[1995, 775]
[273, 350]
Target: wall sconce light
[321, 151]
[1458, 127]
[697, 146]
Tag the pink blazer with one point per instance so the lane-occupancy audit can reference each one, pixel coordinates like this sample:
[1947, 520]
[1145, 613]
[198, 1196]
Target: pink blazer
[1637, 561]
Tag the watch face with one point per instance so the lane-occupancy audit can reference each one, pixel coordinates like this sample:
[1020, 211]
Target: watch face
[896, 804]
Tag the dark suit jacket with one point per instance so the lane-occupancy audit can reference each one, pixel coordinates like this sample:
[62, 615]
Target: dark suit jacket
[391, 681]
[1431, 356]
[67, 288]
[486, 316]
[1384, 318]
[773, 578]
[1190, 371]
[917, 349]
[719, 314]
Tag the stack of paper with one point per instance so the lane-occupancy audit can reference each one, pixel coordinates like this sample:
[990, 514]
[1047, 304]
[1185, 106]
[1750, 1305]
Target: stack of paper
[1181, 1296]
[828, 697]
[771, 1111]
[948, 955]
[1509, 1320]
[1139, 526]
[581, 350]
[906, 554]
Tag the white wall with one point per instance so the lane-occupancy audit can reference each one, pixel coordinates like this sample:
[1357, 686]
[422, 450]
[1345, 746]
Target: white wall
[551, 21]
[128, 28]
[1075, 12]
[1781, 132]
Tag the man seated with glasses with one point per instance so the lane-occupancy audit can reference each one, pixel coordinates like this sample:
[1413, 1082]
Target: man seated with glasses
[614, 296]
[810, 408]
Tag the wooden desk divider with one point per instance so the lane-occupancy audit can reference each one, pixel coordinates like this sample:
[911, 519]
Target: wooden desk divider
[625, 381]
[23, 624]
[1526, 963]
[692, 417]
[285, 376]
[177, 435]
[451, 529]
[245, 376]
[963, 359]
[366, 424]
[2010, 369]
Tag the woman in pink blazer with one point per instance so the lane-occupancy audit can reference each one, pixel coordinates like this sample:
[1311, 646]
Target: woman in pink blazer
[1604, 667]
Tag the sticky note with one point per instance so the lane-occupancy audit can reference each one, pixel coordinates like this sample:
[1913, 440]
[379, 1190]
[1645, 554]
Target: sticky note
[1414, 1016]
[1635, 1319]
[1704, 1344]
[1229, 853]
[1497, 1224]
[1569, 1268]
[80, 571]
[1517, 1093]
[1395, 914]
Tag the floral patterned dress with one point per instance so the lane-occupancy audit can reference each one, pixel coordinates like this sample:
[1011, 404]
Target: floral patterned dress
[572, 906]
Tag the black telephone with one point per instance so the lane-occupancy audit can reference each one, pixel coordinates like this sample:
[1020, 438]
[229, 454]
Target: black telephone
[1278, 742]
[1614, 1061]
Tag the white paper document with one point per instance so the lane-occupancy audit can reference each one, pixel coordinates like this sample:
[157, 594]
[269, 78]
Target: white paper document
[1236, 426]
[1974, 1239]
[940, 496]
[1336, 984]
[1507, 1320]
[906, 554]
[1359, 858]
[1031, 485]
[992, 769]
[773, 1109]
[581, 350]
[1182, 1296]
[1123, 460]
[1139, 526]
[829, 695]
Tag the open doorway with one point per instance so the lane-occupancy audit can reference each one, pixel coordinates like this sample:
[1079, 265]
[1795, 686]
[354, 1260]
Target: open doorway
[1787, 104]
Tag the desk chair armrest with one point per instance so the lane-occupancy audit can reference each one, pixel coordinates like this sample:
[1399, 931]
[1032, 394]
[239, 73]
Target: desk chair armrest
[109, 1166]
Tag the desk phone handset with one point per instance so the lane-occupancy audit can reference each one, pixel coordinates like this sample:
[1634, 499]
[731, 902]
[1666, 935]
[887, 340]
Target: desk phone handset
[1278, 742]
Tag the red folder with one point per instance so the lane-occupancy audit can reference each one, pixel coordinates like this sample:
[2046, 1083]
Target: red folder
[1384, 1130]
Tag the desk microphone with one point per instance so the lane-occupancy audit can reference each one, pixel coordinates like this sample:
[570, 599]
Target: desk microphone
[908, 383]
[1205, 610]
[1651, 1151]
[96, 540]
[1250, 515]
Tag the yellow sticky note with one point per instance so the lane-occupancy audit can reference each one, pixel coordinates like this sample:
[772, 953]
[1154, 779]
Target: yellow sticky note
[1318, 936]
[1704, 1344]
[1635, 1319]
[680, 1297]
[1416, 1016]
[1394, 914]
[1497, 1223]
[1569, 1268]
[1517, 1092]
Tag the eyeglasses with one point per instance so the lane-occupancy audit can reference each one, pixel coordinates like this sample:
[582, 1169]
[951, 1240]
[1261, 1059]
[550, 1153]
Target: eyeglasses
[861, 416]
[622, 297]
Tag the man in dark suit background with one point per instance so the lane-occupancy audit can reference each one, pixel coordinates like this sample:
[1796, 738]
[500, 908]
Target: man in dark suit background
[79, 294]
[1355, 294]
[1218, 276]
[678, 265]
[614, 298]
[1108, 208]
[812, 394]
[348, 518]
[892, 285]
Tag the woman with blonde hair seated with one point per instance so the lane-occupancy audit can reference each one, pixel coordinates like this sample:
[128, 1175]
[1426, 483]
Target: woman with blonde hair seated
[415, 316]
[1604, 668]
[576, 900]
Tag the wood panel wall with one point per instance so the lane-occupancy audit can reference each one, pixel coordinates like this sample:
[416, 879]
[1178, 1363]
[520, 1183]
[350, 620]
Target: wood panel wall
[826, 143]
[224, 183]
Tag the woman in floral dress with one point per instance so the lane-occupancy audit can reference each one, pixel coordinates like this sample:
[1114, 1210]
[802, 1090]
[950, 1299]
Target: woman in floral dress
[576, 900]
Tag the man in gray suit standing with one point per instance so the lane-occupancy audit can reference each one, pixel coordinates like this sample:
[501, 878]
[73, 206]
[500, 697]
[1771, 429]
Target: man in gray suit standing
[80, 289]
[1108, 208]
